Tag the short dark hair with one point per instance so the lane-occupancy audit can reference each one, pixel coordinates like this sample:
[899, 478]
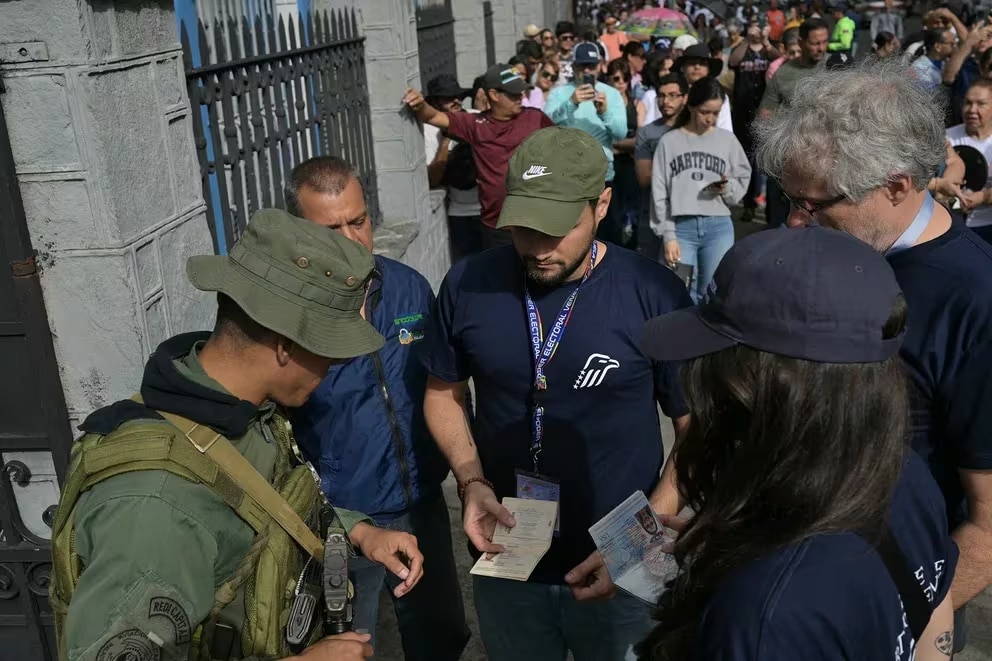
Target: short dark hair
[811, 25]
[655, 60]
[478, 84]
[632, 48]
[529, 48]
[324, 174]
[933, 36]
[236, 327]
[981, 82]
[564, 27]
[674, 79]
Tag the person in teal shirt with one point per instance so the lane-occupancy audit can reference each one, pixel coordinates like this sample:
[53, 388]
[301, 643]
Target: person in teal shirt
[842, 39]
[586, 104]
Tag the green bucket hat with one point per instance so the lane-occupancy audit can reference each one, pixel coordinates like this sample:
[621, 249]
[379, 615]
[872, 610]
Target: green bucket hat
[298, 279]
[552, 175]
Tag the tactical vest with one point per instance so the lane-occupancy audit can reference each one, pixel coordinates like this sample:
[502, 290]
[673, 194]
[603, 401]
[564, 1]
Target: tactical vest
[272, 565]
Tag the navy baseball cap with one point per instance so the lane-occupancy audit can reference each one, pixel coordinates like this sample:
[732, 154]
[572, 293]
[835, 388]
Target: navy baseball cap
[585, 53]
[811, 293]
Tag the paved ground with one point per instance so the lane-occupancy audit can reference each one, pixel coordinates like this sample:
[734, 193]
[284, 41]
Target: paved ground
[979, 615]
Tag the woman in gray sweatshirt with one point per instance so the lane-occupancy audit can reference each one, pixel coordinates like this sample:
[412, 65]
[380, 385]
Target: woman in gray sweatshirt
[698, 172]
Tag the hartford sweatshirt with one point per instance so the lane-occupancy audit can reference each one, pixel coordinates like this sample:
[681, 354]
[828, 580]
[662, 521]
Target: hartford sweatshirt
[684, 164]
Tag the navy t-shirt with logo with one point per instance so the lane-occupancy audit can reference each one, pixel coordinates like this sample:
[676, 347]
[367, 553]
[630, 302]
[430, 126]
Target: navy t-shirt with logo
[948, 352]
[830, 596]
[602, 437]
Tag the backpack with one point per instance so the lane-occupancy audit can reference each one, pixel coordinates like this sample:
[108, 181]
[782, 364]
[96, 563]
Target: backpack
[460, 171]
[273, 562]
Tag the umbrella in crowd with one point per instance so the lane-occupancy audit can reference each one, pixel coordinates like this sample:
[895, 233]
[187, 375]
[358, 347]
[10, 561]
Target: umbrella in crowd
[657, 22]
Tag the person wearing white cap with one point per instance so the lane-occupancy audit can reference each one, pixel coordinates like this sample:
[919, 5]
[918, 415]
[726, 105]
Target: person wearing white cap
[681, 43]
[532, 32]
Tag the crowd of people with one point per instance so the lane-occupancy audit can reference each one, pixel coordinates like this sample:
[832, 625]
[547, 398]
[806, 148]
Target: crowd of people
[827, 379]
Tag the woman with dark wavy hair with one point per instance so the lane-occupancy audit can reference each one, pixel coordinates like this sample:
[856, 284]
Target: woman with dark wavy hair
[817, 534]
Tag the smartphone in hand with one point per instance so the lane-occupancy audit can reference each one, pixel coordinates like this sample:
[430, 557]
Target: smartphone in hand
[716, 186]
[588, 79]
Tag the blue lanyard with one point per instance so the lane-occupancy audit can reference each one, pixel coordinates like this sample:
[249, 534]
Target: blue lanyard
[915, 229]
[544, 349]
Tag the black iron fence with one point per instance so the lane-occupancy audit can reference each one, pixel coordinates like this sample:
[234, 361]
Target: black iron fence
[268, 94]
[487, 25]
[435, 39]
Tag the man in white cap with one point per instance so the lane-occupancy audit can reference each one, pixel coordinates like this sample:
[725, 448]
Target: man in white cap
[532, 32]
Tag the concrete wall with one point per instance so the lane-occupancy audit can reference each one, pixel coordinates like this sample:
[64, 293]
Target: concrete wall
[99, 125]
[470, 40]
[410, 230]
[505, 30]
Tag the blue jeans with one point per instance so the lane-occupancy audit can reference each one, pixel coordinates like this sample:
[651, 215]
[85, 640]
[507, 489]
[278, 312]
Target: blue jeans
[431, 617]
[538, 622]
[703, 241]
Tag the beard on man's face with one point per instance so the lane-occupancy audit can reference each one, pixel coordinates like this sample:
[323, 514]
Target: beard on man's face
[553, 273]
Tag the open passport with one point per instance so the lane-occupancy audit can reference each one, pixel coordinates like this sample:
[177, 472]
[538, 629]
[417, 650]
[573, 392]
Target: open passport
[525, 543]
[630, 539]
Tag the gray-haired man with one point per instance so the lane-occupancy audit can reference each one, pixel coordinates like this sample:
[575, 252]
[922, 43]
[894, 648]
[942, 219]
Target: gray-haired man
[865, 171]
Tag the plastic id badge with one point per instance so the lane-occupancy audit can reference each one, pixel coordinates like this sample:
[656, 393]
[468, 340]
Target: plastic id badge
[539, 487]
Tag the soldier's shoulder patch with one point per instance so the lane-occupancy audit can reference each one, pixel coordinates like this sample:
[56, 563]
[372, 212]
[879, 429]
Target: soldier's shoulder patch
[129, 645]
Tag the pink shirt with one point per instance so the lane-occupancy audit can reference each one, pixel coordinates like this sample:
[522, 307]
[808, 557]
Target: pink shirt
[535, 99]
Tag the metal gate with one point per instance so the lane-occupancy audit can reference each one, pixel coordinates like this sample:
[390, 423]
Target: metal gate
[34, 433]
[435, 39]
[487, 25]
[269, 93]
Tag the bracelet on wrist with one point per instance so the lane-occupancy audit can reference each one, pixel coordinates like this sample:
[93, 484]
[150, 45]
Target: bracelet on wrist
[462, 486]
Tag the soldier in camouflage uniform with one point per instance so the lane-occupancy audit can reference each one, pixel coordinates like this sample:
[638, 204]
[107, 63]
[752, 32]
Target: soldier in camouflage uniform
[160, 555]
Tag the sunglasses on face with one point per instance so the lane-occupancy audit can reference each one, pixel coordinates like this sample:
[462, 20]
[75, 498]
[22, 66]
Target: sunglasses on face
[618, 79]
[553, 77]
[566, 37]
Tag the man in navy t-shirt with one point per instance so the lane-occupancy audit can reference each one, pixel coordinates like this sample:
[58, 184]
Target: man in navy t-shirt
[566, 400]
[869, 178]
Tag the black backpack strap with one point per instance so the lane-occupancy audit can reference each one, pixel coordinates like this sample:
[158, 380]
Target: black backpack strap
[914, 601]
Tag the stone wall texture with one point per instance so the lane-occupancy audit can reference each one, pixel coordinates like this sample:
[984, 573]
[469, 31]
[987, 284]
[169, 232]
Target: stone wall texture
[103, 146]
[100, 128]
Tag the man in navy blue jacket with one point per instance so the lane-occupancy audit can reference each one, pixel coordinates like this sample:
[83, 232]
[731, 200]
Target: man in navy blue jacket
[365, 428]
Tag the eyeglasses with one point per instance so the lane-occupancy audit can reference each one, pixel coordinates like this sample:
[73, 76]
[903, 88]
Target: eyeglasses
[566, 37]
[812, 208]
[618, 79]
[553, 77]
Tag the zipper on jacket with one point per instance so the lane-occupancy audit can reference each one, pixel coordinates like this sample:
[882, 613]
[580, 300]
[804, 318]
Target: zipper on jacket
[394, 425]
